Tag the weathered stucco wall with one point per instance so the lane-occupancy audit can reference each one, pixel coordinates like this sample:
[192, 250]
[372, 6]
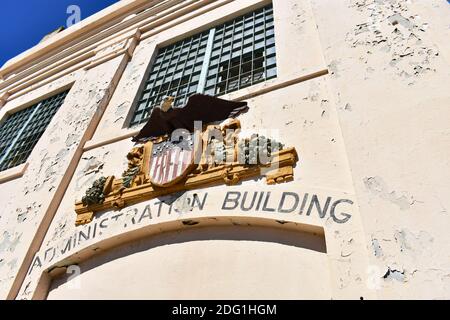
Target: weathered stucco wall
[322, 170]
[389, 68]
[374, 132]
[189, 265]
[50, 164]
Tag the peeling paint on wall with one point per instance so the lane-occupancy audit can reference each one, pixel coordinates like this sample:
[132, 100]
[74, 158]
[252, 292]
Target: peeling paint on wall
[48, 164]
[416, 243]
[392, 28]
[378, 187]
[9, 241]
[376, 248]
[393, 274]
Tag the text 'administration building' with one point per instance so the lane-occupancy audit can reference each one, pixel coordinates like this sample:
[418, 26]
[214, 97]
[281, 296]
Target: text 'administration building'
[353, 201]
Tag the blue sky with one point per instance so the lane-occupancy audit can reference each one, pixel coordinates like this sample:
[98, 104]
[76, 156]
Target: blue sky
[24, 23]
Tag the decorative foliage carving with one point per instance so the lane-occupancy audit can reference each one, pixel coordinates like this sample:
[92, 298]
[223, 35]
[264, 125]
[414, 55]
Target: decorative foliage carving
[128, 176]
[257, 150]
[95, 195]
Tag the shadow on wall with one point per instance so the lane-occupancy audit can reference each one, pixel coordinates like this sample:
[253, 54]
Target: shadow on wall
[214, 234]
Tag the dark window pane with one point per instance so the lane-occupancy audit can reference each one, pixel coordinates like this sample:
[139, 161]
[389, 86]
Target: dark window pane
[251, 41]
[177, 65]
[25, 127]
[242, 54]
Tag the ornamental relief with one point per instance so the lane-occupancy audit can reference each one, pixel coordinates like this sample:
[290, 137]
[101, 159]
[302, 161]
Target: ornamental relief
[182, 156]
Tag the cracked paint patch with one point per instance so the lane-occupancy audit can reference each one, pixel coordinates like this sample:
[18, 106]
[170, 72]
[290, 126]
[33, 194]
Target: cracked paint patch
[378, 187]
[345, 273]
[121, 109]
[93, 166]
[392, 28]
[13, 263]
[9, 242]
[59, 231]
[23, 214]
[376, 247]
[409, 241]
[72, 138]
[394, 274]
[333, 66]
[299, 19]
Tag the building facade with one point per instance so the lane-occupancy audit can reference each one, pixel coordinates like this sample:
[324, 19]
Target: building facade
[355, 90]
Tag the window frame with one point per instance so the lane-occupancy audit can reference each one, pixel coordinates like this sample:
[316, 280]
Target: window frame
[144, 91]
[34, 105]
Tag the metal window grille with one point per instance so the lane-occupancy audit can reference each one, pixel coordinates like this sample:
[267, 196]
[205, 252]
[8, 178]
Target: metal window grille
[20, 132]
[229, 57]
[175, 72]
[243, 53]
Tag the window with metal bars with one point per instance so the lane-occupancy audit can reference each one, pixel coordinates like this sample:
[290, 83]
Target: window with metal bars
[20, 131]
[175, 72]
[226, 58]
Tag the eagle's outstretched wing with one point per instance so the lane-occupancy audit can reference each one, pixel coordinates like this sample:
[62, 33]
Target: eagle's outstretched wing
[157, 125]
[208, 109]
[199, 107]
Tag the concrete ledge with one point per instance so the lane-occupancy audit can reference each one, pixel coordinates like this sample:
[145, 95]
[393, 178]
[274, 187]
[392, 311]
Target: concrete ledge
[3, 98]
[92, 144]
[13, 173]
[283, 84]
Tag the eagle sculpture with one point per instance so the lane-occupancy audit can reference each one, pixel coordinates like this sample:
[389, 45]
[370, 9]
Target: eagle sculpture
[165, 119]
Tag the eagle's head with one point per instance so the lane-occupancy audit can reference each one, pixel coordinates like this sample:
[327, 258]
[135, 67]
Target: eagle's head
[166, 103]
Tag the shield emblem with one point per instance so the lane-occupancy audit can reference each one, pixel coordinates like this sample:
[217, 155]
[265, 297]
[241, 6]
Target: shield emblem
[171, 161]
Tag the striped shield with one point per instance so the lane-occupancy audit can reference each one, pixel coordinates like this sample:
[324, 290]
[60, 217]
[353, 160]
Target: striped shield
[171, 161]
